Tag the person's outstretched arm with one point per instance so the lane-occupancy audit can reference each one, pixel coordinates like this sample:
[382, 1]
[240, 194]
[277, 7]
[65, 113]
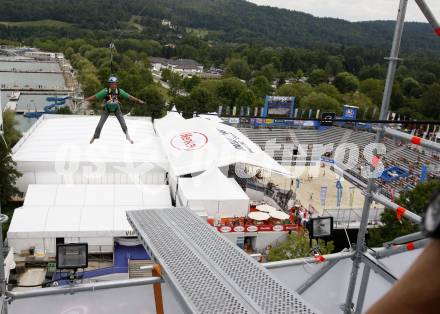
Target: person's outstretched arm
[126, 95]
[98, 96]
[418, 291]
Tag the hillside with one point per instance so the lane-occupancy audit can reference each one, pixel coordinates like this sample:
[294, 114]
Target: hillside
[235, 21]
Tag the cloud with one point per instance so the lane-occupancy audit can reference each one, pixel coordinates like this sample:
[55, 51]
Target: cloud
[354, 10]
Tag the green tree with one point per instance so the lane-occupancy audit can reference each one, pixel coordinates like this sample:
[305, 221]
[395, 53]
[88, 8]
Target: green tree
[297, 245]
[261, 86]
[8, 172]
[185, 105]
[268, 71]
[373, 88]
[321, 101]
[202, 100]
[346, 82]
[246, 98]
[190, 83]
[411, 87]
[154, 103]
[239, 68]
[318, 76]
[329, 90]
[228, 91]
[429, 102]
[415, 200]
[299, 90]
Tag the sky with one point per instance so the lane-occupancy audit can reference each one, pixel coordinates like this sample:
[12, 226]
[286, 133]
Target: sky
[354, 10]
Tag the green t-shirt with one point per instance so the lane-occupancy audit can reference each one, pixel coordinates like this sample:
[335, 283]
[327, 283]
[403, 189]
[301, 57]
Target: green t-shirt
[112, 104]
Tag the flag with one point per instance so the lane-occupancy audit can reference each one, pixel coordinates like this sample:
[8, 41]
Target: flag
[256, 112]
[234, 110]
[338, 193]
[248, 110]
[365, 113]
[298, 183]
[338, 197]
[323, 195]
[317, 113]
[424, 173]
[296, 112]
[310, 113]
[220, 110]
[241, 111]
[351, 196]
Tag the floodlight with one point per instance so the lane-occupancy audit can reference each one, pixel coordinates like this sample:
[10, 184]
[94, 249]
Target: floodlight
[321, 227]
[72, 256]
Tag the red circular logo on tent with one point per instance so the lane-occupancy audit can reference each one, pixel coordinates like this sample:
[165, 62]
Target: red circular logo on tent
[189, 141]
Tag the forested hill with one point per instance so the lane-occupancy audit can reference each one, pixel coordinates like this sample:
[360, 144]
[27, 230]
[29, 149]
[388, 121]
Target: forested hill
[235, 21]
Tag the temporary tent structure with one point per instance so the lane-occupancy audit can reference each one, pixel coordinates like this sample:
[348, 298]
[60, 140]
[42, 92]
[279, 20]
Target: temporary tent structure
[213, 193]
[56, 150]
[198, 144]
[95, 214]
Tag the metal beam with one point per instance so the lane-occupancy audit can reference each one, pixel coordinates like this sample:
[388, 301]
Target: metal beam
[392, 66]
[89, 287]
[362, 289]
[417, 236]
[413, 139]
[391, 205]
[315, 277]
[397, 249]
[378, 267]
[307, 260]
[429, 16]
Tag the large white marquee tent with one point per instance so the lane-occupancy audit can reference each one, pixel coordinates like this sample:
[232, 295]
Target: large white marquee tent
[56, 150]
[95, 214]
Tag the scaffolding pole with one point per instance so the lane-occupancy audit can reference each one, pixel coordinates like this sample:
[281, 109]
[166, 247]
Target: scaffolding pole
[397, 249]
[429, 16]
[413, 139]
[308, 260]
[90, 287]
[360, 245]
[401, 211]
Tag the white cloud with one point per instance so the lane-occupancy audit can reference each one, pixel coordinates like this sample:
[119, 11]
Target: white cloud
[354, 10]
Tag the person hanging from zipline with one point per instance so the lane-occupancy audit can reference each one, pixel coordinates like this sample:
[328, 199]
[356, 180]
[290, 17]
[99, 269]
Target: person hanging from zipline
[111, 96]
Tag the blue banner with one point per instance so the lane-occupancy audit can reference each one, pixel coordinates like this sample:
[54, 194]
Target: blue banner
[424, 173]
[323, 195]
[350, 112]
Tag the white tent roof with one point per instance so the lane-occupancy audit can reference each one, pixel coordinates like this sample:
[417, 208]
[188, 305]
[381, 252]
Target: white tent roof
[211, 185]
[197, 144]
[56, 137]
[83, 210]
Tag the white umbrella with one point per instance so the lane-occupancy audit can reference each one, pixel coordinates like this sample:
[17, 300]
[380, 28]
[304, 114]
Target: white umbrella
[258, 216]
[279, 215]
[266, 208]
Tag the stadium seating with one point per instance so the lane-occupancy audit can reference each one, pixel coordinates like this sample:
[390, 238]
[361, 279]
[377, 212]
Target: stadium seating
[283, 144]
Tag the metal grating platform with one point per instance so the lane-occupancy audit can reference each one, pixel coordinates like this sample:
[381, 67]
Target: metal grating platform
[208, 273]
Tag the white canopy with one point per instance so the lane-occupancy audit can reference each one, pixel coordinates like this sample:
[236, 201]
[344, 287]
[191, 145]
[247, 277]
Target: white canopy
[212, 192]
[81, 212]
[266, 208]
[197, 144]
[260, 216]
[278, 215]
[56, 150]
